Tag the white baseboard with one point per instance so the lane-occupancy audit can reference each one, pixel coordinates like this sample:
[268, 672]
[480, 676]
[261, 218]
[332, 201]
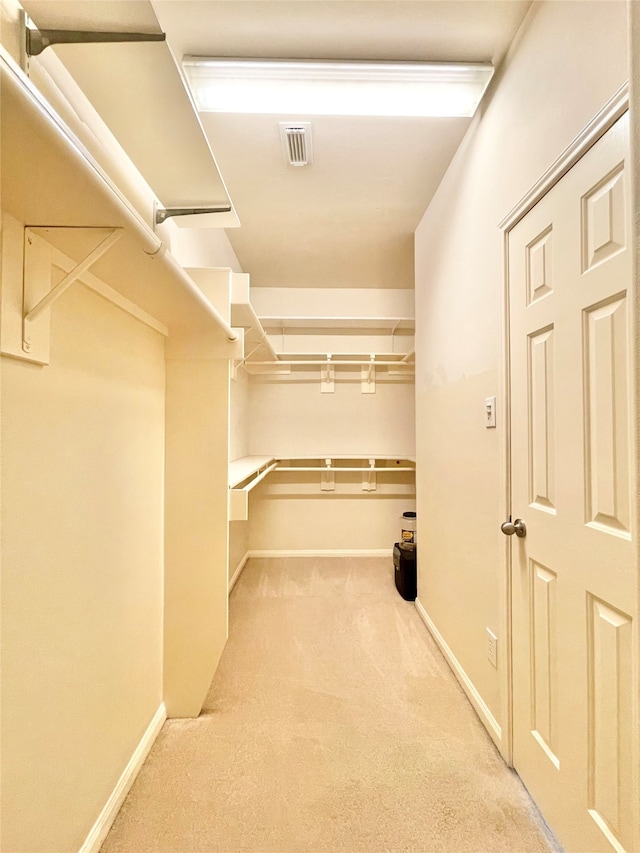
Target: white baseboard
[330, 552]
[480, 706]
[101, 827]
[238, 571]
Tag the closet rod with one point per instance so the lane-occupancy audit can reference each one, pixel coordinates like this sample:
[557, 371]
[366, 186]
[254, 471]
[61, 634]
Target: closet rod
[260, 477]
[338, 470]
[155, 247]
[324, 362]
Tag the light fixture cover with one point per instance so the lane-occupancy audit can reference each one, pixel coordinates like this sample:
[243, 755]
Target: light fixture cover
[336, 88]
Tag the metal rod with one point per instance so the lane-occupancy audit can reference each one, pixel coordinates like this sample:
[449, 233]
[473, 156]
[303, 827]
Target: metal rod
[324, 363]
[163, 213]
[75, 274]
[39, 40]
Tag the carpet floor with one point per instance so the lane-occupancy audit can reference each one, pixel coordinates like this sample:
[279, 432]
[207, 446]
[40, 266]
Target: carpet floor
[333, 725]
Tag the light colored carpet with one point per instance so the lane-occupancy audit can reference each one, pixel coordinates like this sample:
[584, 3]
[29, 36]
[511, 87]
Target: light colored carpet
[332, 724]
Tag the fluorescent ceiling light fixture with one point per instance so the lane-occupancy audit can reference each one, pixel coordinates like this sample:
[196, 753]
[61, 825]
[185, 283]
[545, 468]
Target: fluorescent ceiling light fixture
[336, 88]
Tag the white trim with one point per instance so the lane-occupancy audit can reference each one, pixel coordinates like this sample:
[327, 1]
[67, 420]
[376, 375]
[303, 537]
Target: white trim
[505, 665]
[587, 138]
[101, 827]
[234, 578]
[346, 552]
[603, 121]
[98, 286]
[480, 706]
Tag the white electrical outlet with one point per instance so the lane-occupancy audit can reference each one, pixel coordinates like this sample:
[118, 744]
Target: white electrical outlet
[492, 648]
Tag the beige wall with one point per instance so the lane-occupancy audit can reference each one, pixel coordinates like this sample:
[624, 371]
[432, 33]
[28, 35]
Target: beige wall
[568, 61]
[82, 563]
[290, 417]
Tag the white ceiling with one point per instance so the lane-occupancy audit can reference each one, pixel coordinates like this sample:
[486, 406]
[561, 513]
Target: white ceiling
[348, 219]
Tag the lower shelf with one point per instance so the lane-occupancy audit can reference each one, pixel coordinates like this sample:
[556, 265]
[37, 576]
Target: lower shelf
[246, 473]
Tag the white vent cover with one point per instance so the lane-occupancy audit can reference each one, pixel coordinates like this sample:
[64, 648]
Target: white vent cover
[296, 142]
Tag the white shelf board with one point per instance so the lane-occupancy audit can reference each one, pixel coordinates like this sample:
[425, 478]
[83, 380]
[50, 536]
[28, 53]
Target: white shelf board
[50, 182]
[245, 467]
[345, 357]
[242, 314]
[364, 457]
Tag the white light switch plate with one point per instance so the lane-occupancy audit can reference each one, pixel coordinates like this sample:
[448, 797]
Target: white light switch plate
[490, 412]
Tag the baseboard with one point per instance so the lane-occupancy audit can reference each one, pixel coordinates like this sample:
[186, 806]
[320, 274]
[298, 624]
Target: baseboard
[238, 571]
[101, 827]
[480, 706]
[329, 552]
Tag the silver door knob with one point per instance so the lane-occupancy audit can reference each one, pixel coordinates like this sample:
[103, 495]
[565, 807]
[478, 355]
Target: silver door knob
[518, 527]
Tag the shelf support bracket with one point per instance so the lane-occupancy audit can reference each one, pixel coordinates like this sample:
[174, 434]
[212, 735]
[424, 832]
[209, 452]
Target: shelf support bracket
[328, 478]
[368, 375]
[37, 278]
[164, 213]
[39, 40]
[369, 482]
[327, 378]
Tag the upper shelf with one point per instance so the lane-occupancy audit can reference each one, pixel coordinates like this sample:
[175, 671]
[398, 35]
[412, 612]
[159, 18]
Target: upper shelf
[50, 181]
[247, 472]
[122, 81]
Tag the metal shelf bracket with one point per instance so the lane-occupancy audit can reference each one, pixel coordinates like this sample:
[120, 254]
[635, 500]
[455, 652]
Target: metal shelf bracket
[38, 296]
[328, 478]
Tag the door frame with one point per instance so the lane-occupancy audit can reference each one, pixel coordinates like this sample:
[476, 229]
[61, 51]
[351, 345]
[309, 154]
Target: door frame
[597, 127]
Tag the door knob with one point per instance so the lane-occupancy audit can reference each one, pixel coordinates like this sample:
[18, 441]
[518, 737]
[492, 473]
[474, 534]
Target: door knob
[518, 527]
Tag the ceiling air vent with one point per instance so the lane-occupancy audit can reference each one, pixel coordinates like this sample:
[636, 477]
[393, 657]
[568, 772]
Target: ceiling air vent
[296, 142]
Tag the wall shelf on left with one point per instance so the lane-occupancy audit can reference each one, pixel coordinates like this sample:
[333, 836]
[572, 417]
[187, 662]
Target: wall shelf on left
[53, 189]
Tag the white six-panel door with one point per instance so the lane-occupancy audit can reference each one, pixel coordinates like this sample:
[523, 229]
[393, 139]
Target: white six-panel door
[574, 574]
